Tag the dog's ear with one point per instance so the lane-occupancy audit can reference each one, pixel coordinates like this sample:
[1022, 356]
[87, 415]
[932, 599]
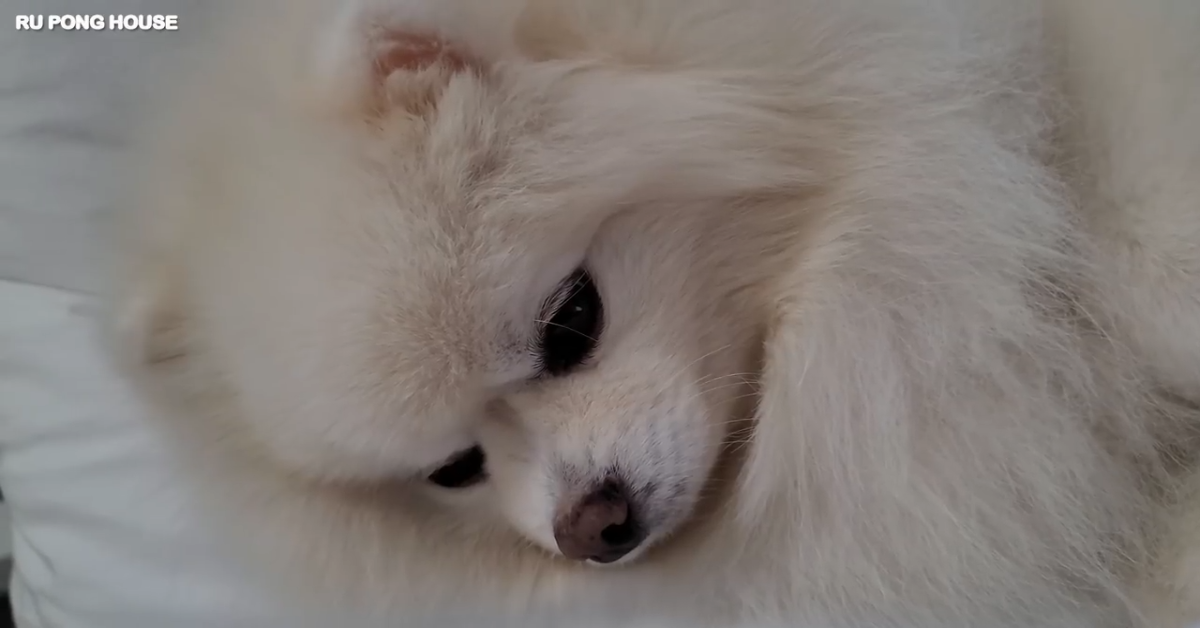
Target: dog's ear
[374, 57]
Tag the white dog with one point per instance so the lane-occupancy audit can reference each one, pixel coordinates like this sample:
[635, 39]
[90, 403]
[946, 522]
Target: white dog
[816, 313]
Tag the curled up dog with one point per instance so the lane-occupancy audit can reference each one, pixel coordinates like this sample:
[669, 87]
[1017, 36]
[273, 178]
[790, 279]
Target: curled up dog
[762, 313]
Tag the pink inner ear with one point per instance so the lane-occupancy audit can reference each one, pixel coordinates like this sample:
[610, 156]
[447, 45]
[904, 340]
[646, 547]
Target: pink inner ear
[411, 52]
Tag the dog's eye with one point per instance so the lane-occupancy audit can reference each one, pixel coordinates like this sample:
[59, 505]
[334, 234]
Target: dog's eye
[464, 469]
[570, 335]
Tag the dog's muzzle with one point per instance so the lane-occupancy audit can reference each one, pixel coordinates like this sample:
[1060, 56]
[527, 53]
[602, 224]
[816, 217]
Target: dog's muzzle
[602, 526]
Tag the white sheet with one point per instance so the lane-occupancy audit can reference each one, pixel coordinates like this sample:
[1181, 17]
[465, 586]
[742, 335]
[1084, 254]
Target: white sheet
[67, 100]
[103, 538]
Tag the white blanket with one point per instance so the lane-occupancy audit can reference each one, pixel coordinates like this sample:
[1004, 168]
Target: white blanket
[102, 536]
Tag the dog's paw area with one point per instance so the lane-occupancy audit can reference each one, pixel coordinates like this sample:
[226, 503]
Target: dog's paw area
[148, 323]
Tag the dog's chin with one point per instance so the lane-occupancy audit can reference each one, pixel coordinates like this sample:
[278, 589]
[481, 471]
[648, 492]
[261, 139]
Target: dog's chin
[640, 555]
[626, 560]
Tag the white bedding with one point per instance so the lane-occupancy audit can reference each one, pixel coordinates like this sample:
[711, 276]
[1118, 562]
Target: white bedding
[103, 539]
[67, 100]
[102, 536]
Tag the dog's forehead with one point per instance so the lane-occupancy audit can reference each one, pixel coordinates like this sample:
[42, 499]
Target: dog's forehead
[484, 224]
[465, 278]
[488, 224]
[490, 267]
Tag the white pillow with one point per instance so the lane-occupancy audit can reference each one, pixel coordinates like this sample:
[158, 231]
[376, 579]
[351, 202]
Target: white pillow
[102, 536]
[67, 100]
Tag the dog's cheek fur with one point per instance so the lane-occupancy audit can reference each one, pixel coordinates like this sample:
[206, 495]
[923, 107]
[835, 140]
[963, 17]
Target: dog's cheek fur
[641, 417]
[954, 403]
[1137, 178]
[653, 402]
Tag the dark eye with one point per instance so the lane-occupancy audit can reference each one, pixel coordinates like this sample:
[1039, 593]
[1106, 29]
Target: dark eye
[464, 469]
[571, 333]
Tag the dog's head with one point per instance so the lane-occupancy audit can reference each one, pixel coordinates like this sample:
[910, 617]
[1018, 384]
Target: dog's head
[510, 273]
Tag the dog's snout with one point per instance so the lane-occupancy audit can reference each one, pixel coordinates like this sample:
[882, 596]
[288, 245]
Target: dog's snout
[601, 527]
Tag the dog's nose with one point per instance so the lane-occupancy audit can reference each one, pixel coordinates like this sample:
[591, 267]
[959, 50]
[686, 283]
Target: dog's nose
[601, 527]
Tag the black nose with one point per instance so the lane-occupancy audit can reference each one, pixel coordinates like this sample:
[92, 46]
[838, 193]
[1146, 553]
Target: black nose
[601, 527]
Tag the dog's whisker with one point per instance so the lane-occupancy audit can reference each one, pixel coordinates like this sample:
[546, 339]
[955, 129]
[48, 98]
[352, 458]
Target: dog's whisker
[560, 326]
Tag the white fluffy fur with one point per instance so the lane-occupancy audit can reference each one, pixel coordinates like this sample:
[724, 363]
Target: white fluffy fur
[902, 303]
